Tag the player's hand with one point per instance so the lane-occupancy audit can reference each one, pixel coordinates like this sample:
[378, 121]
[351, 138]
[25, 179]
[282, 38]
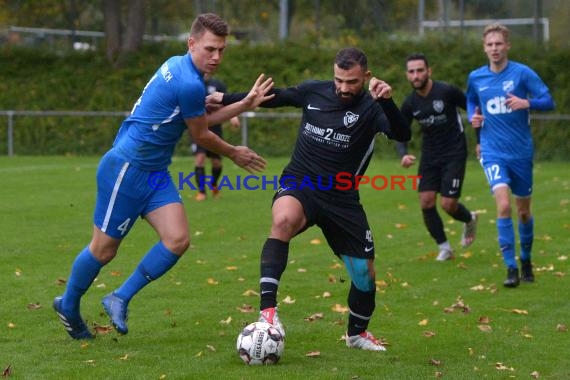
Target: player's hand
[478, 151]
[214, 100]
[477, 119]
[235, 123]
[379, 89]
[247, 159]
[408, 160]
[258, 93]
[515, 103]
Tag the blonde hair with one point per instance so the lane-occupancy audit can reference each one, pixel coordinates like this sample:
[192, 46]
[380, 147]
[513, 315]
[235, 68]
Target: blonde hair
[497, 28]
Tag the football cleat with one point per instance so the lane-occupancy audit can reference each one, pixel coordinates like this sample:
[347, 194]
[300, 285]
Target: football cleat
[469, 231]
[74, 325]
[116, 309]
[526, 271]
[365, 341]
[445, 254]
[512, 280]
[270, 316]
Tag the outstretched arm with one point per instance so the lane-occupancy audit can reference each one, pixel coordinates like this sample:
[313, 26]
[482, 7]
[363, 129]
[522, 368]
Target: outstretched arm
[382, 92]
[258, 94]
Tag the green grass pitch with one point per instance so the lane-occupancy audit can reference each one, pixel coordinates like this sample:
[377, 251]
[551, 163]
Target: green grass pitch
[452, 320]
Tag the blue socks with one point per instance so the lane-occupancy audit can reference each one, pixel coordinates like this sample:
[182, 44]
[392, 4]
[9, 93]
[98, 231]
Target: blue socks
[507, 241]
[526, 235]
[83, 271]
[155, 263]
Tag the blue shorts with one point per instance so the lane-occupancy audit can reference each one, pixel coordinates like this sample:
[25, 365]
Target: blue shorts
[124, 193]
[516, 174]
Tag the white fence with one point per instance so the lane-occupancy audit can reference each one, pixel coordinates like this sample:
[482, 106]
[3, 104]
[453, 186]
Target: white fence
[12, 116]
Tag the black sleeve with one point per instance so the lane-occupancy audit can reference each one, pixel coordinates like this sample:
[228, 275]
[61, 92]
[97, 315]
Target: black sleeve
[458, 97]
[399, 127]
[284, 97]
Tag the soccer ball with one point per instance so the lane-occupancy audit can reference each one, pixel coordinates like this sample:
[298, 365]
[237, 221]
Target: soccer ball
[260, 343]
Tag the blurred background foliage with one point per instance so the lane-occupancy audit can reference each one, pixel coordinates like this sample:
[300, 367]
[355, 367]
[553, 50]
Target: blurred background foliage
[49, 72]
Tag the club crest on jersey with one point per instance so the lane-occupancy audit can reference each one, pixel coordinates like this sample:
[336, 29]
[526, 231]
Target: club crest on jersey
[508, 85]
[350, 119]
[438, 105]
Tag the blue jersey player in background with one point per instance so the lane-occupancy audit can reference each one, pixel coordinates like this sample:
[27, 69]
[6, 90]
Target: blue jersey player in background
[132, 177]
[500, 96]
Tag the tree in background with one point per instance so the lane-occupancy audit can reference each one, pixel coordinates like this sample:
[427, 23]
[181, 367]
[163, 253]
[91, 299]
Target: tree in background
[121, 42]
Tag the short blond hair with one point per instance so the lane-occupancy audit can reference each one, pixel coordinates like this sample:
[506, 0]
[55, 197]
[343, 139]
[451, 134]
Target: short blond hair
[497, 28]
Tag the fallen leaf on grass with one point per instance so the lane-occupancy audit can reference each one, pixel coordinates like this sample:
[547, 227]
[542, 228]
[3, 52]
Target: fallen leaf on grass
[250, 292]
[326, 295]
[34, 306]
[126, 357]
[429, 334]
[102, 330]
[435, 362]
[11, 325]
[232, 268]
[288, 300]
[336, 266]
[458, 305]
[519, 311]
[561, 327]
[18, 272]
[7, 371]
[485, 328]
[90, 361]
[301, 270]
[226, 321]
[316, 241]
[60, 281]
[211, 348]
[484, 320]
[339, 308]
[115, 273]
[212, 281]
[400, 225]
[314, 317]
[423, 322]
[313, 354]
[534, 374]
[246, 308]
[501, 367]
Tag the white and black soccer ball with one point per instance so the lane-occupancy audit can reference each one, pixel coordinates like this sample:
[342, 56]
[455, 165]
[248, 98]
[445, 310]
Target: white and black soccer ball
[260, 343]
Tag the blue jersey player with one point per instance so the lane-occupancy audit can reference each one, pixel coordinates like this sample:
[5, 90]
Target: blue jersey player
[132, 177]
[500, 96]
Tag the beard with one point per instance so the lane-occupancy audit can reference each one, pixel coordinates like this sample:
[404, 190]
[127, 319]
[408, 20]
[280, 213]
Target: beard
[420, 85]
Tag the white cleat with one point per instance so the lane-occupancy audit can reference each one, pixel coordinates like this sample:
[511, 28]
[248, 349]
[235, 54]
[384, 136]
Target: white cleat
[445, 254]
[364, 341]
[469, 231]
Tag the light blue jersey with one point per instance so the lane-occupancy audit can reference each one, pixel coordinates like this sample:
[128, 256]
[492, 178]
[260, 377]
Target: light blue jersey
[147, 138]
[505, 133]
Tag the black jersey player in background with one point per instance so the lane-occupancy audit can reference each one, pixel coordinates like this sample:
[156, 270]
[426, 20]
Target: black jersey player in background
[435, 105]
[200, 153]
[337, 132]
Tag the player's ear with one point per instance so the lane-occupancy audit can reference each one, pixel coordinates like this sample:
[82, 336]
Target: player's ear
[368, 75]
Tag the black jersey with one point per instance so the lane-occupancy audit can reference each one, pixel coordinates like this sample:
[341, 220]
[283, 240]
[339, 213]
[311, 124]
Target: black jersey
[335, 137]
[439, 119]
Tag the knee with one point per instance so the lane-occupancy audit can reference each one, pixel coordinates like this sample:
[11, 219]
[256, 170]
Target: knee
[362, 273]
[177, 244]
[449, 205]
[283, 228]
[524, 215]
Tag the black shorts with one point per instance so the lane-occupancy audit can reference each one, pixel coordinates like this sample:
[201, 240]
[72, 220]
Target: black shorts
[217, 129]
[342, 221]
[444, 176]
